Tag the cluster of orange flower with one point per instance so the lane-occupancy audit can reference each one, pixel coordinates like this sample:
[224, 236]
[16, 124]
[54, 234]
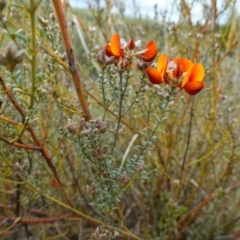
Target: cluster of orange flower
[122, 52]
[178, 72]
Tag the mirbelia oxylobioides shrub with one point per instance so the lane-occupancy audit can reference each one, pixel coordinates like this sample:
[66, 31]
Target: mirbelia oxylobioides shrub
[134, 153]
[98, 140]
[112, 139]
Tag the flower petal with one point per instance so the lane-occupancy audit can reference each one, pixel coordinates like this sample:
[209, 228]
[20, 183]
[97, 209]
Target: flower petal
[154, 76]
[182, 65]
[194, 87]
[108, 51]
[195, 73]
[116, 45]
[186, 78]
[162, 64]
[150, 53]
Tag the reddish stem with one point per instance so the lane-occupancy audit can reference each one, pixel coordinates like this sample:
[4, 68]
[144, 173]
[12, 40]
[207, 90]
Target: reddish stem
[20, 145]
[36, 220]
[62, 20]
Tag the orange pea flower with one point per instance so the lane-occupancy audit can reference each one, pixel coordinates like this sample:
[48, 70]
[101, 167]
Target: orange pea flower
[193, 80]
[179, 72]
[122, 53]
[159, 75]
[190, 75]
[114, 47]
[149, 52]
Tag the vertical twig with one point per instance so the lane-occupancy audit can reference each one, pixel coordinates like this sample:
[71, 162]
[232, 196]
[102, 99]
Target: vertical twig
[119, 110]
[188, 138]
[214, 76]
[32, 11]
[61, 16]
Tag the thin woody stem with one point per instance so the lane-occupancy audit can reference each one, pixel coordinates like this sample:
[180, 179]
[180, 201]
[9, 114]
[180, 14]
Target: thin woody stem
[38, 220]
[34, 52]
[20, 145]
[188, 138]
[61, 16]
[12, 99]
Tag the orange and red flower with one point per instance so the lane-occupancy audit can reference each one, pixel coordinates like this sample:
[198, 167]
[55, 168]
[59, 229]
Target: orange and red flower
[179, 72]
[193, 80]
[149, 52]
[159, 75]
[114, 47]
[120, 49]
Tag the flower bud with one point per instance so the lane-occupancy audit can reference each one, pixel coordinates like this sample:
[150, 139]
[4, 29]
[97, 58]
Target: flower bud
[52, 17]
[104, 150]
[101, 57]
[84, 132]
[102, 126]
[42, 21]
[12, 56]
[94, 153]
[71, 126]
[82, 124]
[102, 129]
[19, 56]
[97, 236]
[3, 4]
[140, 166]
[124, 63]
[63, 56]
[109, 60]
[101, 157]
[141, 65]
[11, 50]
[99, 122]
[123, 178]
[17, 167]
[144, 89]
[131, 44]
[90, 189]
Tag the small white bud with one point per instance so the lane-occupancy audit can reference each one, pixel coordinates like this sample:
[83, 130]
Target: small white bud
[123, 43]
[138, 44]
